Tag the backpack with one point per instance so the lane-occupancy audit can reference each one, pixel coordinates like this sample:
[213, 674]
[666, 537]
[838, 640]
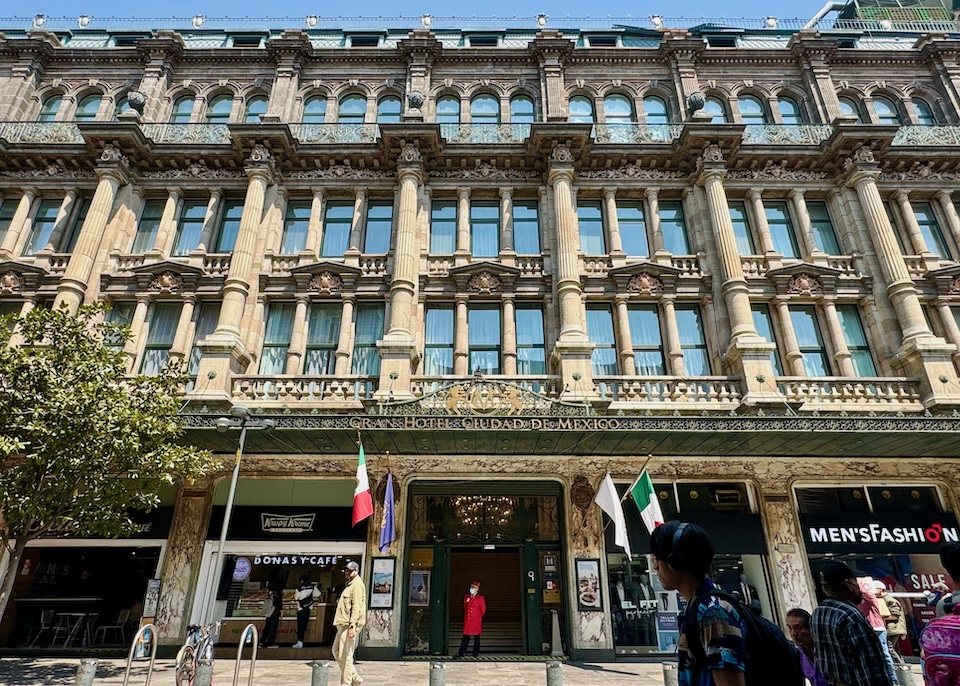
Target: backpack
[771, 658]
[268, 607]
[940, 650]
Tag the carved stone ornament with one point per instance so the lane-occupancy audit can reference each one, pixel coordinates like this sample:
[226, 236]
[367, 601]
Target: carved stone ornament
[862, 155]
[485, 170]
[167, 282]
[410, 154]
[416, 99]
[776, 171]
[484, 282]
[696, 102]
[11, 282]
[920, 171]
[111, 153]
[582, 493]
[645, 283]
[194, 170]
[342, 171]
[955, 285]
[631, 170]
[712, 154]
[137, 101]
[561, 153]
[50, 171]
[326, 283]
[805, 284]
[260, 154]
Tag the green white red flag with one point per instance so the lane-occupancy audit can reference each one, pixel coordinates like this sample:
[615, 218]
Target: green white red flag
[362, 498]
[646, 499]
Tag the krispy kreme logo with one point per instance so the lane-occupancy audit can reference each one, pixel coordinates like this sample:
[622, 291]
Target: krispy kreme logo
[287, 524]
[878, 533]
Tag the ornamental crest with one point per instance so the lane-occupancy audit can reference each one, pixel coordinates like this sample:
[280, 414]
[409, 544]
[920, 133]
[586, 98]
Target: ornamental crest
[326, 283]
[484, 282]
[10, 282]
[167, 282]
[955, 285]
[416, 99]
[260, 154]
[862, 155]
[111, 153]
[645, 283]
[805, 284]
[582, 493]
[561, 153]
[410, 154]
[712, 154]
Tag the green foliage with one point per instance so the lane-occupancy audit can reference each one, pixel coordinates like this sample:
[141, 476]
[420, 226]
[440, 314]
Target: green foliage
[81, 442]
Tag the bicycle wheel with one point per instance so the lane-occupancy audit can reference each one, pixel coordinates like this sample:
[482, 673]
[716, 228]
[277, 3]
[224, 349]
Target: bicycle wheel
[186, 666]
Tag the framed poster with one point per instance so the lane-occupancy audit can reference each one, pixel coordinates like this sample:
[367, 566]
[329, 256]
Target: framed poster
[588, 585]
[383, 577]
[419, 588]
[151, 598]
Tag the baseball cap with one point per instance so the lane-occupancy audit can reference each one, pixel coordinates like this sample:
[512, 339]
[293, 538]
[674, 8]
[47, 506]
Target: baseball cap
[879, 585]
[475, 583]
[353, 566]
[835, 572]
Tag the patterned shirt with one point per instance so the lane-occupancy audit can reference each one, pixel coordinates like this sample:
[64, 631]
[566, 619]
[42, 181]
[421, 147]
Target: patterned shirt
[847, 649]
[722, 633]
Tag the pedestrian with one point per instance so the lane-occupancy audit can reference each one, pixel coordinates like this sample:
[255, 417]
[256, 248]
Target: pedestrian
[349, 619]
[306, 595]
[874, 609]
[950, 559]
[798, 623]
[896, 622]
[272, 608]
[846, 648]
[474, 607]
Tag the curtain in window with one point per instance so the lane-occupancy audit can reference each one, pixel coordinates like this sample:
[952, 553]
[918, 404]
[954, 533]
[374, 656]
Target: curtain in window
[526, 228]
[162, 329]
[148, 226]
[674, 228]
[438, 342]
[590, 219]
[856, 339]
[633, 229]
[485, 229]
[229, 225]
[781, 229]
[603, 362]
[276, 338]
[646, 340]
[295, 227]
[69, 242]
[120, 313]
[764, 327]
[692, 342]
[741, 228]
[531, 352]
[443, 228]
[43, 224]
[191, 226]
[823, 233]
[206, 324]
[369, 329]
[378, 228]
[483, 334]
[336, 229]
[807, 331]
[930, 228]
[323, 334]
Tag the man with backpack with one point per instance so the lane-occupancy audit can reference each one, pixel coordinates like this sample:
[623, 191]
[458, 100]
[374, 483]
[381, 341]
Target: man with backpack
[721, 642]
[846, 648]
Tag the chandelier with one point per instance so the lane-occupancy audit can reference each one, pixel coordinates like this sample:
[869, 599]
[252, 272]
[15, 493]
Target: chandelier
[484, 510]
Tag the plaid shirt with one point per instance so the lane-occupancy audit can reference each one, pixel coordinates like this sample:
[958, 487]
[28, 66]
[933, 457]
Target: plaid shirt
[848, 650]
[722, 636]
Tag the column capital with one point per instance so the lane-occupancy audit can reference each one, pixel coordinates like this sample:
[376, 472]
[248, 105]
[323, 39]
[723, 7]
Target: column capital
[796, 193]
[318, 193]
[463, 193]
[901, 196]
[711, 173]
[754, 194]
[943, 196]
[621, 298]
[506, 192]
[858, 177]
[349, 297]
[176, 192]
[303, 299]
[508, 297]
[361, 193]
[461, 298]
[651, 193]
[609, 193]
[260, 172]
[410, 171]
[190, 298]
[113, 171]
[560, 172]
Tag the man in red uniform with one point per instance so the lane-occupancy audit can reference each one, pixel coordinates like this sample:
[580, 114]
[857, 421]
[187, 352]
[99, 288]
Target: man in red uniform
[474, 607]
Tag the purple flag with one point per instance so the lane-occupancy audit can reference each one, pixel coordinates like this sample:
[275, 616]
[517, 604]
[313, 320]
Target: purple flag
[386, 524]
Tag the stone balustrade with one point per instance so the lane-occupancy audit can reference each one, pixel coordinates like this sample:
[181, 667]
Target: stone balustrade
[595, 265]
[853, 394]
[530, 265]
[287, 390]
[40, 132]
[439, 265]
[373, 265]
[335, 133]
[124, 264]
[282, 264]
[636, 133]
[717, 392]
[847, 265]
[200, 134]
[548, 386]
[916, 266]
[754, 266]
[689, 265]
[489, 134]
[786, 134]
[216, 264]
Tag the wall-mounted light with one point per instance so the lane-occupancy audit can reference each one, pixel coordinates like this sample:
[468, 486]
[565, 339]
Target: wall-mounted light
[39, 21]
[542, 20]
[771, 22]
[198, 20]
[426, 20]
[312, 21]
[657, 21]
[83, 21]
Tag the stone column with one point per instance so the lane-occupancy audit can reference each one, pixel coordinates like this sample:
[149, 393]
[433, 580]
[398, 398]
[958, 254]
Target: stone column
[461, 337]
[793, 358]
[298, 337]
[792, 582]
[760, 216]
[841, 353]
[167, 230]
[315, 224]
[612, 222]
[672, 343]
[463, 225]
[507, 251]
[209, 220]
[112, 173]
[62, 221]
[910, 223]
[950, 212]
[132, 345]
[359, 220]
[179, 349]
[653, 222]
[345, 341]
[628, 362]
[807, 240]
[949, 324]
[509, 336]
[21, 215]
[16, 337]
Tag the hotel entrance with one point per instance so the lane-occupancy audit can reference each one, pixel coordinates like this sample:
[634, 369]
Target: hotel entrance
[509, 542]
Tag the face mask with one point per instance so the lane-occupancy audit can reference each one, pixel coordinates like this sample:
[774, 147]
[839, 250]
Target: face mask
[473, 591]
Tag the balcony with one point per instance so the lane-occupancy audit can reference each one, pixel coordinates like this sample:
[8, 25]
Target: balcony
[373, 265]
[485, 133]
[216, 264]
[198, 134]
[595, 265]
[40, 132]
[300, 391]
[836, 394]
[669, 392]
[335, 133]
[547, 386]
[754, 266]
[530, 265]
[783, 134]
[847, 265]
[927, 135]
[636, 133]
[689, 265]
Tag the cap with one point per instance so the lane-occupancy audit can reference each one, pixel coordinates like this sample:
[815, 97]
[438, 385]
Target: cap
[879, 585]
[475, 583]
[353, 566]
[836, 572]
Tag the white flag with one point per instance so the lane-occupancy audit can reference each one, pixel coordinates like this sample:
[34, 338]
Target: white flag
[609, 502]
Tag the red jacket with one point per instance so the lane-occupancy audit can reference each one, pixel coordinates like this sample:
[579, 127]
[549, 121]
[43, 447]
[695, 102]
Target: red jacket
[474, 608]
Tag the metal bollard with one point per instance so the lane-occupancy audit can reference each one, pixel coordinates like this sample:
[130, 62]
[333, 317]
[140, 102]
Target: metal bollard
[670, 675]
[204, 675]
[87, 671]
[438, 674]
[554, 674]
[320, 674]
[904, 675]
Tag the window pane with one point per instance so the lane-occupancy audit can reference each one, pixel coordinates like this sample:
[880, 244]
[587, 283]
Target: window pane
[276, 338]
[807, 331]
[7, 209]
[674, 228]
[600, 331]
[856, 339]
[848, 108]
[930, 228]
[120, 313]
[448, 110]
[822, 226]
[182, 110]
[715, 107]
[191, 226]
[369, 330]
[379, 228]
[485, 229]
[323, 334]
[924, 112]
[531, 352]
[229, 225]
[315, 110]
[655, 111]
[741, 228]
[149, 225]
[692, 341]
[353, 109]
[633, 229]
[483, 334]
[443, 228]
[617, 109]
[886, 111]
[295, 225]
[790, 112]
[160, 334]
[88, 108]
[581, 110]
[206, 324]
[521, 110]
[438, 341]
[526, 227]
[751, 110]
[781, 229]
[336, 229]
[645, 339]
[764, 326]
[256, 107]
[218, 111]
[388, 110]
[591, 228]
[43, 224]
[485, 109]
[51, 106]
[69, 241]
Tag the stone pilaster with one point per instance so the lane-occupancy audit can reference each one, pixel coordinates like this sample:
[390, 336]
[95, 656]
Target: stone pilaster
[628, 363]
[793, 358]
[67, 206]
[345, 341]
[760, 219]
[910, 223]
[671, 343]
[315, 224]
[509, 336]
[131, 347]
[841, 353]
[507, 252]
[167, 230]
[358, 222]
[463, 226]
[21, 216]
[461, 341]
[615, 240]
[808, 244]
[298, 337]
[209, 221]
[179, 349]
[791, 580]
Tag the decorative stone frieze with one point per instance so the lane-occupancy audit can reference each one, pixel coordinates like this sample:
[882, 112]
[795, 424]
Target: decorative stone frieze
[342, 171]
[194, 170]
[775, 171]
[631, 170]
[485, 170]
[51, 171]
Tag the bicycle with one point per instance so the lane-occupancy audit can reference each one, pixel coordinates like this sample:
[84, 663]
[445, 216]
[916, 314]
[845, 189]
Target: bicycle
[199, 645]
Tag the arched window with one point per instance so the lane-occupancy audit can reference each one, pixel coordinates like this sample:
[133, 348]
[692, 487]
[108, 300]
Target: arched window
[315, 110]
[581, 110]
[655, 110]
[388, 110]
[88, 108]
[50, 107]
[353, 109]
[790, 112]
[485, 109]
[122, 106]
[849, 108]
[218, 111]
[182, 110]
[618, 109]
[521, 110]
[715, 108]
[886, 111]
[448, 110]
[751, 110]
[256, 107]
[925, 115]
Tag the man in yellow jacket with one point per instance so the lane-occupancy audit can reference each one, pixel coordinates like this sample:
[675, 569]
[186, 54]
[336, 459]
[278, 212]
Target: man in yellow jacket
[349, 619]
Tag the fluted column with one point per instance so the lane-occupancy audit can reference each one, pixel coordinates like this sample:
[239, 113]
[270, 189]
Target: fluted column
[345, 341]
[12, 237]
[628, 362]
[949, 324]
[841, 353]
[950, 212]
[613, 222]
[569, 289]
[132, 344]
[506, 222]
[792, 354]
[463, 221]
[359, 219]
[62, 220]
[298, 337]
[179, 349]
[509, 337]
[167, 230]
[809, 243]
[73, 283]
[760, 216]
[910, 223]
[315, 223]
[406, 259]
[672, 343]
[209, 220]
[653, 221]
[461, 337]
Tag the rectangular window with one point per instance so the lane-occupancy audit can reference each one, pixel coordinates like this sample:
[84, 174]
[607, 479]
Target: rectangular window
[205, 323]
[930, 229]
[121, 313]
[484, 229]
[603, 361]
[438, 341]
[276, 338]
[148, 226]
[229, 225]
[764, 326]
[295, 223]
[807, 331]
[781, 229]
[160, 334]
[7, 209]
[633, 228]
[590, 217]
[369, 330]
[646, 340]
[483, 339]
[10, 309]
[693, 343]
[894, 220]
[526, 227]
[741, 228]
[531, 350]
[823, 232]
[673, 226]
[191, 227]
[379, 228]
[336, 229]
[323, 334]
[856, 339]
[43, 225]
[443, 228]
[76, 224]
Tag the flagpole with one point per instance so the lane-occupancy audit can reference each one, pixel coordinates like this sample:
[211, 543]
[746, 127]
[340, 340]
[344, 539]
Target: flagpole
[642, 469]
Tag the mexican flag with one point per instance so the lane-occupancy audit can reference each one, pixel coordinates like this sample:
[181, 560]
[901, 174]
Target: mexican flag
[362, 499]
[646, 500]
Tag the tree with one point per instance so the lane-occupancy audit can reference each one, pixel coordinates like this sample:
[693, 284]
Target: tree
[82, 443]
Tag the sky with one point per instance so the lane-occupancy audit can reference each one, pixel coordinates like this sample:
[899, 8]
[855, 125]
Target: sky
[784, 9]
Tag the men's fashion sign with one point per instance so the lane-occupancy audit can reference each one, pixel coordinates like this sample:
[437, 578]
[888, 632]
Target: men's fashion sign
[883, 534]
[287, 524]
